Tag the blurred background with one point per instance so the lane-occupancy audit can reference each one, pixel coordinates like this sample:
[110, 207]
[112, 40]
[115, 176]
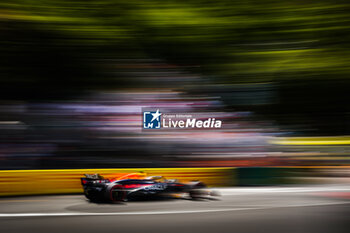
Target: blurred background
[75, 75]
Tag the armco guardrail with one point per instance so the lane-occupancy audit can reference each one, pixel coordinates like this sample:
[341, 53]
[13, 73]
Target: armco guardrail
[30, 182]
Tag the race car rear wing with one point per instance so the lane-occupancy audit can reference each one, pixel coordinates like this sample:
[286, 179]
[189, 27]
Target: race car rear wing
[91, 179]
[93, 176]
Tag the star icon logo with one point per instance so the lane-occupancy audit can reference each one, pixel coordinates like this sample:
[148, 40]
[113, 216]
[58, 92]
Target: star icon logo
[156, 115]
[151, 119]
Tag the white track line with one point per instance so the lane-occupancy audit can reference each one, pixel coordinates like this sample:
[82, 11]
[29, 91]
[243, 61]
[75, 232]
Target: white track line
[258, 190]
[117, 213]
[68, 214]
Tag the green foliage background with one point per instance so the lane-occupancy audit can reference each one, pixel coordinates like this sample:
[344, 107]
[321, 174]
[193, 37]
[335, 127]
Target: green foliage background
[51, 48]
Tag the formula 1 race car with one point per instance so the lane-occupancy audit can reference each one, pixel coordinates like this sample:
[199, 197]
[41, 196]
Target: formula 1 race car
[137, 186]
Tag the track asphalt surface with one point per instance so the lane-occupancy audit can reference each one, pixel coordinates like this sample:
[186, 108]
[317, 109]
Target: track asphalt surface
[260, 209]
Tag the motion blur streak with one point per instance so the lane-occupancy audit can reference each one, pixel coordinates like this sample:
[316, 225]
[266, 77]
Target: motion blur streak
[313, 141]
[75, 76]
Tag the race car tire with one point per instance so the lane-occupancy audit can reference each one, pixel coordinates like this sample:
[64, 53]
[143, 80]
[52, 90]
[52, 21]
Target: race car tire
[116, 193]
[90, 195]
[197, 193]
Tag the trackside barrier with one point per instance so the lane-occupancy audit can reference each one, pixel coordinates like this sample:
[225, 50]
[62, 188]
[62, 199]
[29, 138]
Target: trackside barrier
[31, 182]
[256, 176]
